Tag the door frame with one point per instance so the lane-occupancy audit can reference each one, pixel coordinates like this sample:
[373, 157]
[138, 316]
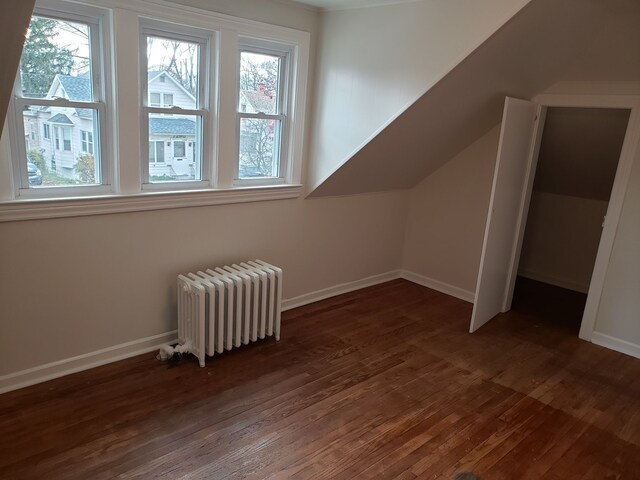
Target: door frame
[630, 147]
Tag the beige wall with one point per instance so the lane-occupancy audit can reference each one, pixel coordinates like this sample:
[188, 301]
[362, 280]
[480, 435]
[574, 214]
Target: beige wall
[75, 285]
[561, 239]
[447, 216]
[283, 13]
[374, 62]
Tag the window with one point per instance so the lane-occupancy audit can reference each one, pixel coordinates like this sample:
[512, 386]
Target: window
[184, 121]
[178, 149]
[61, 82]
[87, 141]
[177, 58]
[154, 99]
[62, 138]
[156, 152]
[262, 104]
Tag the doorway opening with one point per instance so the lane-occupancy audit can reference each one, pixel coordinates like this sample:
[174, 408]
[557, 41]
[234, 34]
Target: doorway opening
[574, 177]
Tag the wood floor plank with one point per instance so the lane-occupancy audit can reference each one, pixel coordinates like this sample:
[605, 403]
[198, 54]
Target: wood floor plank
[384, 382]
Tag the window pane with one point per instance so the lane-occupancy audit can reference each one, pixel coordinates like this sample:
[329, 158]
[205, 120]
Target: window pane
[172, 152]
[173, 71]
[154, 99]
[63, 152]
[56, 60]
[259, 82]
[178, 149]
[259, 148]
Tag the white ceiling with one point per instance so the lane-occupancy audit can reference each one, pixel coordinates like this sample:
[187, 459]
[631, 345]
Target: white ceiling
[345, 4]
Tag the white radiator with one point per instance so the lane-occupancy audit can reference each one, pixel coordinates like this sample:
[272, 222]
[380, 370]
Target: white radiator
[226, 307]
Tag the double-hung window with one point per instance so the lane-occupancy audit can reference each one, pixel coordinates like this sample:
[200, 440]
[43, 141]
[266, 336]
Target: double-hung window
[175, 72]
[262, 112]
[61, 96]
[87, 141]
[207, 110]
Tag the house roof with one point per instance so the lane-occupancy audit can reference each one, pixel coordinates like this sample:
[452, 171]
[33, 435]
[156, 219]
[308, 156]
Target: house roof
[60, 118]
[84, 112]
[259, 101]
[78, 89]
[171, 126]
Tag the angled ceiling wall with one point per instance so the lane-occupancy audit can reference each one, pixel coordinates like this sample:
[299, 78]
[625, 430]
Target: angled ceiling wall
[14, 21]
[375, 62]
[545, 42]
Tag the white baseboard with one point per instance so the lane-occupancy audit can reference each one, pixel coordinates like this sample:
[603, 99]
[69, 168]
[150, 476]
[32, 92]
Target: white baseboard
[329, 292]
[325, 293]
[52, 370]
[616, 344]
[466, 295]
[551, 280]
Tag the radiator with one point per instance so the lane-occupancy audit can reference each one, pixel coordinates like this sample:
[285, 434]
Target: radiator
[226, 307]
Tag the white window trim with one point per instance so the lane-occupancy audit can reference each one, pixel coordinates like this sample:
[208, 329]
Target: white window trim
[127, 195]
[86, 141]
[204, 105]
[98, 20]
[285, 81]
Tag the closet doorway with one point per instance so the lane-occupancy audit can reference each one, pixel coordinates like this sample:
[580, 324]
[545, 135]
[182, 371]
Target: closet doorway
[512, 193]
[577, 163]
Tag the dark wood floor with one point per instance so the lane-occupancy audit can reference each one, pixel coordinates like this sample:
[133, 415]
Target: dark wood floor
[380, 383]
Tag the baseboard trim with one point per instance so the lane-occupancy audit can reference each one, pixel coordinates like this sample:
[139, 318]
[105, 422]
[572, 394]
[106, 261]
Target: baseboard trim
[555, 281]
[616, 344]
[329, 292]
[347, 287]
[457, 292]
[49, 371]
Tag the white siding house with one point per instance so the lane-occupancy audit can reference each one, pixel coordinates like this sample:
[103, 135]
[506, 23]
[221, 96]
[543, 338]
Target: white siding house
[62, 135]
[172, 138]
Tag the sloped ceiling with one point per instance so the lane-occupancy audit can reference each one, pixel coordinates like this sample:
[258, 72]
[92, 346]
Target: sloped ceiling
[14, 21]
[534, 50]
[584, 168]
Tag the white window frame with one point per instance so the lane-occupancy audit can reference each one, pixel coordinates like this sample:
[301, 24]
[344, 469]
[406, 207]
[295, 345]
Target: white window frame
[158, 103]
[123, 140]
[86, 142]
[282, 114]
[59, 138]
[155, 151]
[99, 38]
[203, 38]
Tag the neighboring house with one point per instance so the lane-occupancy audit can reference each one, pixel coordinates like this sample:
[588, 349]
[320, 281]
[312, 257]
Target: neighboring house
[172, 138]
[256, 135]
[63, 134]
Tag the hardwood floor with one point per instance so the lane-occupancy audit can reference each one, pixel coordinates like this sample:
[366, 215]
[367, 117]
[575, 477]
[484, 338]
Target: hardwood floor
[380, 383]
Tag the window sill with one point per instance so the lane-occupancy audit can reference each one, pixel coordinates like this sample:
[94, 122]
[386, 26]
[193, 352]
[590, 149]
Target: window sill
[33, 209]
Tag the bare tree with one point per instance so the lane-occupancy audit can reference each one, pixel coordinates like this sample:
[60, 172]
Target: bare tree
[179, 59]
[255, 73]
[256, 147]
